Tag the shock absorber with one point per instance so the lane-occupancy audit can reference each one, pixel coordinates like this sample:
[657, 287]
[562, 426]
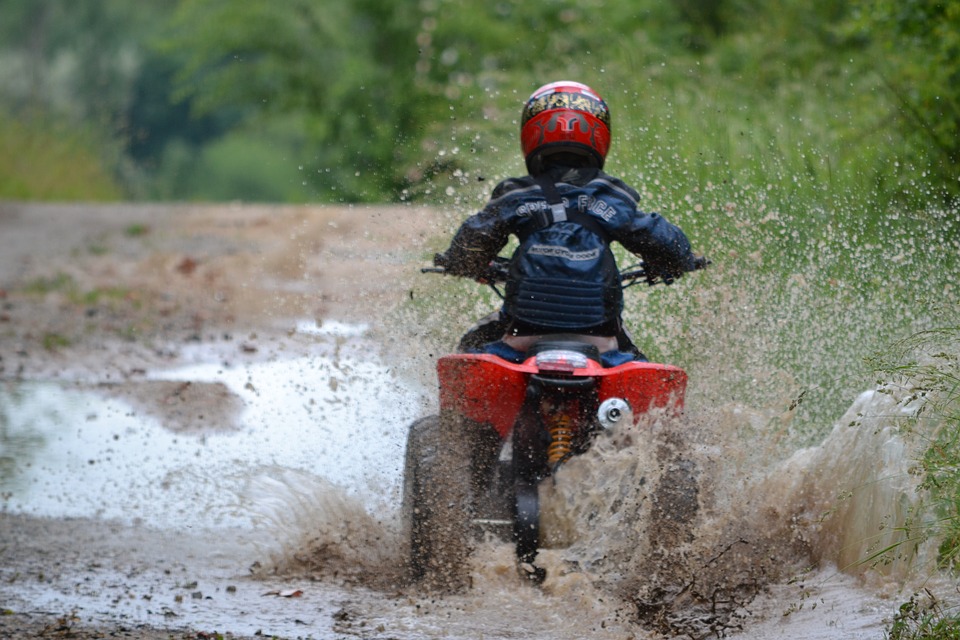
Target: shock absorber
[560, 426]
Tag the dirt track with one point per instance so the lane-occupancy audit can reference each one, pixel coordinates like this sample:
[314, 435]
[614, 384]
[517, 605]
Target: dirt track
[103, 295]
[90, 289]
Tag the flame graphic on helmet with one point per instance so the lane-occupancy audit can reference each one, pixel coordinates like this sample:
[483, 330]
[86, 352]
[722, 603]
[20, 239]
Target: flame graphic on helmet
[565, 116]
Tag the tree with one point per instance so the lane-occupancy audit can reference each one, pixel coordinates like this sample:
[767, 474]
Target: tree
[79, 58]
[383, 88]
[327, 63]
[918, 42]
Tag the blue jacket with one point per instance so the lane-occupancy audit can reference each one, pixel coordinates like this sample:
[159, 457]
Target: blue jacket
[563, 277]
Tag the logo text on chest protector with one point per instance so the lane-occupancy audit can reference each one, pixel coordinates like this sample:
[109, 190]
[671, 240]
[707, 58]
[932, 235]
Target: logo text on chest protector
[554, 251]
[529, 208]
[596, 206]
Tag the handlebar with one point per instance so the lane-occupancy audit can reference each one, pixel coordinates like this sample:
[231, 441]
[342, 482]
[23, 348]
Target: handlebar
[498, 270]
[635, 273]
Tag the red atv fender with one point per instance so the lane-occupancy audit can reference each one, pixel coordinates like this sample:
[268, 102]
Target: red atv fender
[489, 389]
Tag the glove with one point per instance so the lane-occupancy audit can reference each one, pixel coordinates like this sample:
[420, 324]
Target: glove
[449, 267]
[657, 274]
[700, 262]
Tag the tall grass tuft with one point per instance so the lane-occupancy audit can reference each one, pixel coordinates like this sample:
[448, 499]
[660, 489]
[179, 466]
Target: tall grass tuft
[927, 366]
[923, 617]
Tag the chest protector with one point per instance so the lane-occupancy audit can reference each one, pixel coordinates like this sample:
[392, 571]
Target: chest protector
[563, 276]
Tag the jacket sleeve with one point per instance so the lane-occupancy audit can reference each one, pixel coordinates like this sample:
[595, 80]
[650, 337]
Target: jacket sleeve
[476, 243]
[663, 246]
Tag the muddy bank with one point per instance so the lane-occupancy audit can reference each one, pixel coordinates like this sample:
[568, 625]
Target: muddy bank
[102, 295]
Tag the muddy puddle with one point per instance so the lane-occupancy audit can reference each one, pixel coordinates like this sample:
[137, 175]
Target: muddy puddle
[263, 498]
[149, 453]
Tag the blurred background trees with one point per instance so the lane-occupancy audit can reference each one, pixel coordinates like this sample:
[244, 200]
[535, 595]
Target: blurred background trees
[369, 100]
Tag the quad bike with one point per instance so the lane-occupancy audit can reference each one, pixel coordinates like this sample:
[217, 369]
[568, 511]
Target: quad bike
[504, 427]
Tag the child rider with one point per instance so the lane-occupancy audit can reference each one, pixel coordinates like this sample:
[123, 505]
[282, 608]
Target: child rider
[563, 278]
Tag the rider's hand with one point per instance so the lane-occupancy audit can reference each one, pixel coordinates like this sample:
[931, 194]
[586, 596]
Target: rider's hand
[660, 273]
[495, 272]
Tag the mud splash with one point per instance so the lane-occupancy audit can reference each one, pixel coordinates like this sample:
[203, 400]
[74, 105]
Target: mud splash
[652, 529]
[666, 516]
[660, 530]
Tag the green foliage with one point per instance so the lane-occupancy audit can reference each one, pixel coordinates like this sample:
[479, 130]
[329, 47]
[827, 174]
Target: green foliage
[254, 166]
[789, 203]
[77, 58]
[915, 50]
[451, 103]
[154, 118]
[419, 101]
[66, 69]
[923, 617]
[940, 377]
[323, 63]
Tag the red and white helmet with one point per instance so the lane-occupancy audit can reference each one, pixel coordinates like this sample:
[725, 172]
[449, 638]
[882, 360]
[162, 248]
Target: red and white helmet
[565, 117]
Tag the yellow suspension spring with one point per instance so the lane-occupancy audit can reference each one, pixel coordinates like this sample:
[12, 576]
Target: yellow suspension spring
[561, 438]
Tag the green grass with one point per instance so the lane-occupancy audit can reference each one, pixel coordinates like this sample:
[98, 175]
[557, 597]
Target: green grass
[923, 617]
[795, 192]
[66, 285]
[46, 160]
[792, 307]
[48, 284]
[927, 367]
[54, 341]
[136, 230]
